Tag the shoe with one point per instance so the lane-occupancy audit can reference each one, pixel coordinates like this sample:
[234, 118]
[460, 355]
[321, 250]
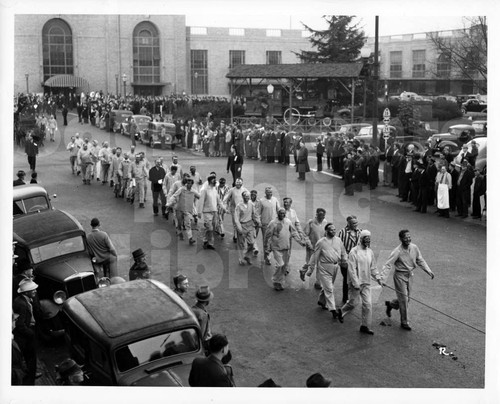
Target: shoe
[222, 235]
[141, 205]
[255, 253]
[302, 275]
[340, 315]
[365, 330]
[334, 313]
[181, 236]
[205, 245]
[78, 172]
[192, 241]
[267, 261]
[322, 305]
[247, 259]
[277, 286]
[235, 239]
[388, 308]
[317, 286]
[406, 327]
[210, 247]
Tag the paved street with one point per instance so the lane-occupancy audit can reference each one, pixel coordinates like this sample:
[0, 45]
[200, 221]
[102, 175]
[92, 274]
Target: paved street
[285, 335]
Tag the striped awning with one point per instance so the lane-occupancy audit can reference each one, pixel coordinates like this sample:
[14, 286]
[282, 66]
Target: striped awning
[68, 80]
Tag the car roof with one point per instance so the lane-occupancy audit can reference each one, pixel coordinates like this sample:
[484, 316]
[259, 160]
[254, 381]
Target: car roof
[141, 116]
[123, 309]
[461, 126]
[163, 124]
[121, 111]
[25, 191]
[34, 229]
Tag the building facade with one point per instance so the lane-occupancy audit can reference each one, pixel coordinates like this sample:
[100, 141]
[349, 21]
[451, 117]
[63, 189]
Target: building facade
[142, 54]
[411, 62]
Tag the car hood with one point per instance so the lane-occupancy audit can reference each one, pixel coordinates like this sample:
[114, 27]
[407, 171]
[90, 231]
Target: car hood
[170, 377]
[63, 267]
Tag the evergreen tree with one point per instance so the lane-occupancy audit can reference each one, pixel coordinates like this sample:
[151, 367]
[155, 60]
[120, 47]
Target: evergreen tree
[340, 42]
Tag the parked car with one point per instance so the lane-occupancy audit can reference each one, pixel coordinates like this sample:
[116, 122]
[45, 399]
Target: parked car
[450, 98]
[30, 198]
[159, 133]
[141, 121]
[367, 132]
[473, 105]
[456, 136]
[117, 117]
[136, 333]
[480, 127]
[55, 245]
[352, 129]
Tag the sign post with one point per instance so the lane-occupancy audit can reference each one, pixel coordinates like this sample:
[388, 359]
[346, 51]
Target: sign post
[386, 131]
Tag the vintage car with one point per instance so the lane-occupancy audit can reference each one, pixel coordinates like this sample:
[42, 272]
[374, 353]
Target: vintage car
[136, 333]
[55, 245]
[141, 122]
[352, 129]
[480, 127]
[365, 134]
[473, 105]
[117, 117]
[456, 136]
[159, 133]
[30, 198]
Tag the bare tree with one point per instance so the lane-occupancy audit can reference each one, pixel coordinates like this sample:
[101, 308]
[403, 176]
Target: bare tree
[465, 53]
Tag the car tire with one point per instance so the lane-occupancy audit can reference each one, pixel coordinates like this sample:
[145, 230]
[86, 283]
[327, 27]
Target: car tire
[173, 146]
[151, 143]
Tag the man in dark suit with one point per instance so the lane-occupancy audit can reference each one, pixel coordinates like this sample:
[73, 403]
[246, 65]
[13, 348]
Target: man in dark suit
[479, 190]
[464, 183]
[213, 371]
[31, 150]
[24, 333]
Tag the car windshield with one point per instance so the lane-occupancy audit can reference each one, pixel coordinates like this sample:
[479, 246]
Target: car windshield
[29, 205]
[57, 249]
[157, 347]
[367, 130]
[142, 120]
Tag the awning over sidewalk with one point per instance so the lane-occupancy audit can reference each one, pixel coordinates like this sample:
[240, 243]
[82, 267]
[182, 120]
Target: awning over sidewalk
[68, 80]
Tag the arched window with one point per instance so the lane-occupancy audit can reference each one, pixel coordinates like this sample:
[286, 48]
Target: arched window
[57, 42]
[146, 54]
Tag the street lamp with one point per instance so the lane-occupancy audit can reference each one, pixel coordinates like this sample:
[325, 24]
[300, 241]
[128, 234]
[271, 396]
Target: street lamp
[27, 83]
[124, 79]
[116, 79]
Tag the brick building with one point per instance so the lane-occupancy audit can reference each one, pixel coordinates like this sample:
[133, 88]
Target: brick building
[141, 54]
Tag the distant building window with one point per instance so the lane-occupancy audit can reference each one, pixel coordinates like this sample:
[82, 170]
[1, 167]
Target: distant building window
[418, 70]
[273, 57]
[146, 51]
[57, 44]
[198, 30]
[421, 35]
[444, 65]
[273, 32]
[396, 64]
[237, 31]
[199, 71]
[236, 58]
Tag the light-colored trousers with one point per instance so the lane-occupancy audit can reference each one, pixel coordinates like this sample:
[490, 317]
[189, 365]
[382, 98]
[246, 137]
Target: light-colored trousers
[280, 256]
[403, 284]
[246, 240]
[327, 274]
[208, 227]
[184, 219]
[355, 295]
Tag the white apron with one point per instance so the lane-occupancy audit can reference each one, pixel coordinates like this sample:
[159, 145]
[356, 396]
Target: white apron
[443, 197]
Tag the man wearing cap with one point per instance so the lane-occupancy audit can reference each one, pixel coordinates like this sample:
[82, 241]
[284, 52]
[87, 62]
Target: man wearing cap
[20, 178]
[329, 253]
[102, 249]
[156, 176]
[203, 298]
[405, 258]
[362, 266]
[232, 198]
[140, 268]
[184, 201]
[277, 239]
[181, 285]
[208, 206]
[24, 333]
[267, 211]
[246, 219]
[138, 173]
[70, 373]
[213, 371]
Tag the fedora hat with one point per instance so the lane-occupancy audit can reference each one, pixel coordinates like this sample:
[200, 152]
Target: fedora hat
[317, 380]
[138, 254]
[203, 294]
[26, 285]
[68, 367]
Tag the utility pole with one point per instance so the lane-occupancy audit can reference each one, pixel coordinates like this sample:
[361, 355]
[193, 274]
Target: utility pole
[375, 89]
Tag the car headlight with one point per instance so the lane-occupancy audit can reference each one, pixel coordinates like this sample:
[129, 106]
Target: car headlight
[59, 297]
